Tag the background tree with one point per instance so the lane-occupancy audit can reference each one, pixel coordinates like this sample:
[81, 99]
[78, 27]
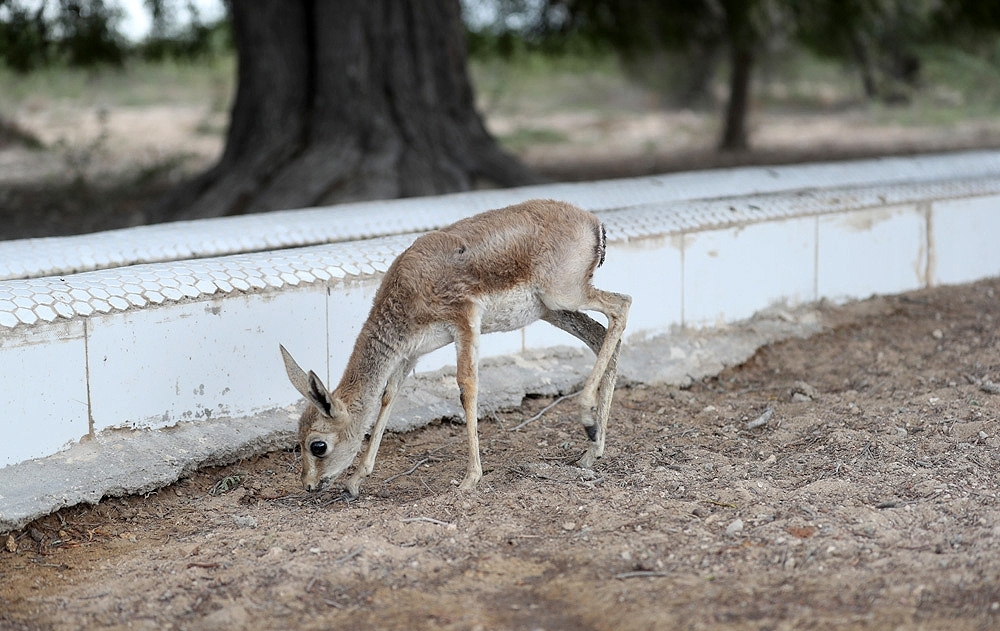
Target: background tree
[345, 101]
[78, 33]
[335, 101]
[170, 37]
[969, 23]
[75, 32]
[882, 38]
[362, 99]
[695, 28]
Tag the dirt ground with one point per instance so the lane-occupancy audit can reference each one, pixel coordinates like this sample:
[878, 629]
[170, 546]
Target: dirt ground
[868, 500]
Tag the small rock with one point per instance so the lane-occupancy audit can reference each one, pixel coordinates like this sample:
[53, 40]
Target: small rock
[805, 389]
[989, 387]
[798, 397]
[937, 334]
[11, 544]
[569, 525]
[735, 528]
[245, 521]
[762, 419]
[275, 552]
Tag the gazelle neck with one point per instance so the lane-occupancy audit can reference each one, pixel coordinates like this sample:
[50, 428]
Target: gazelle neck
[376, 356]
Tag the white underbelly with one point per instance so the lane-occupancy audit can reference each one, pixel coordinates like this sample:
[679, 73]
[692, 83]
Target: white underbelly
[434, 338]
[510, 310]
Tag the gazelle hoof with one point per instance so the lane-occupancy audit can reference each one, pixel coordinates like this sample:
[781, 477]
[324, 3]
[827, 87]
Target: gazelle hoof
[469, 483]
[587, 460]
[352, 488]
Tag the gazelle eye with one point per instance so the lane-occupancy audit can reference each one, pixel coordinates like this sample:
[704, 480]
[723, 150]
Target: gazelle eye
[317, 448]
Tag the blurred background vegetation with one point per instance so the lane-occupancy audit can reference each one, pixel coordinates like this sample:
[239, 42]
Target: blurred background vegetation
[577, 89]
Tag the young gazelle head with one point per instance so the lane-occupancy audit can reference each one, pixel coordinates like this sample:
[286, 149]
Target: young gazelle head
[325, 438]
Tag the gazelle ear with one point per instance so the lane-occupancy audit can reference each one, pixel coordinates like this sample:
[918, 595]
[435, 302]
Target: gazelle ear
[309, 385]
[296, 375]
[318, 395]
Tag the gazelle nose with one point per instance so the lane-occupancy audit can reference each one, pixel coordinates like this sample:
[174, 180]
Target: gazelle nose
[318, 485]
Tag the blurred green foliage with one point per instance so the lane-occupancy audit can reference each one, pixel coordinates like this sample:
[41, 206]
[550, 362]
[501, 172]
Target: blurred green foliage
[88, 33]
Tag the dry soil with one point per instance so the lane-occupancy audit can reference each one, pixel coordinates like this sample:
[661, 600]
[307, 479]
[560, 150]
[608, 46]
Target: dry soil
[868, 500]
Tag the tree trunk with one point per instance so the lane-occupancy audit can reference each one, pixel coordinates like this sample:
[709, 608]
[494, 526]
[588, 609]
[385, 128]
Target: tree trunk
[342, 101]
[734, 136]
[860, 50]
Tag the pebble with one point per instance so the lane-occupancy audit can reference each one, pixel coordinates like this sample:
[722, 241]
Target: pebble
[735, 528]
[804, 389]
[245, 521]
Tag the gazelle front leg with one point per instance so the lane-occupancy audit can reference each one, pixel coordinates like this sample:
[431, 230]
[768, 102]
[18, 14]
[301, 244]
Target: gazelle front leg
[467, 375]
[353, 484]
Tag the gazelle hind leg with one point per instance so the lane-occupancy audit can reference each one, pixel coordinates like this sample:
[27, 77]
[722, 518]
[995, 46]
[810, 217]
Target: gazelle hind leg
[615, 307]
[591, 333]
[599, 430]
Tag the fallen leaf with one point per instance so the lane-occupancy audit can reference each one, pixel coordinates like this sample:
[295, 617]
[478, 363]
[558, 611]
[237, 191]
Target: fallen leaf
[802, 532]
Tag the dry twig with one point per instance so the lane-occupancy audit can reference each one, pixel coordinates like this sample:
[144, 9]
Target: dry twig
[762, 419]
[429, 520]
[350, 555]
[412, 469]
[545, 409]
[640, 574]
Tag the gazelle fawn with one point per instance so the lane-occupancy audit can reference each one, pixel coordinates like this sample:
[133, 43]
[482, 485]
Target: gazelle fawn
[496, 271]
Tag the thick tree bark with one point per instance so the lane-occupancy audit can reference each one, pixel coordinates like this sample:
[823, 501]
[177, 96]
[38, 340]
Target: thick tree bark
[342, 101]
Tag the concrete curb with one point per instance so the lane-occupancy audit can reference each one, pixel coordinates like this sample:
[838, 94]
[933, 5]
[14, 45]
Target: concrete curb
[118, 463]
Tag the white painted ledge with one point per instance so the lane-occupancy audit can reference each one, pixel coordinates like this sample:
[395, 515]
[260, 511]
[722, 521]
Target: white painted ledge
[34, 258]
[181, 323]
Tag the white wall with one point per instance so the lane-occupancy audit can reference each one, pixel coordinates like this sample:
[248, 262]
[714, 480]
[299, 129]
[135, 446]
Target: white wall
[151, 345]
